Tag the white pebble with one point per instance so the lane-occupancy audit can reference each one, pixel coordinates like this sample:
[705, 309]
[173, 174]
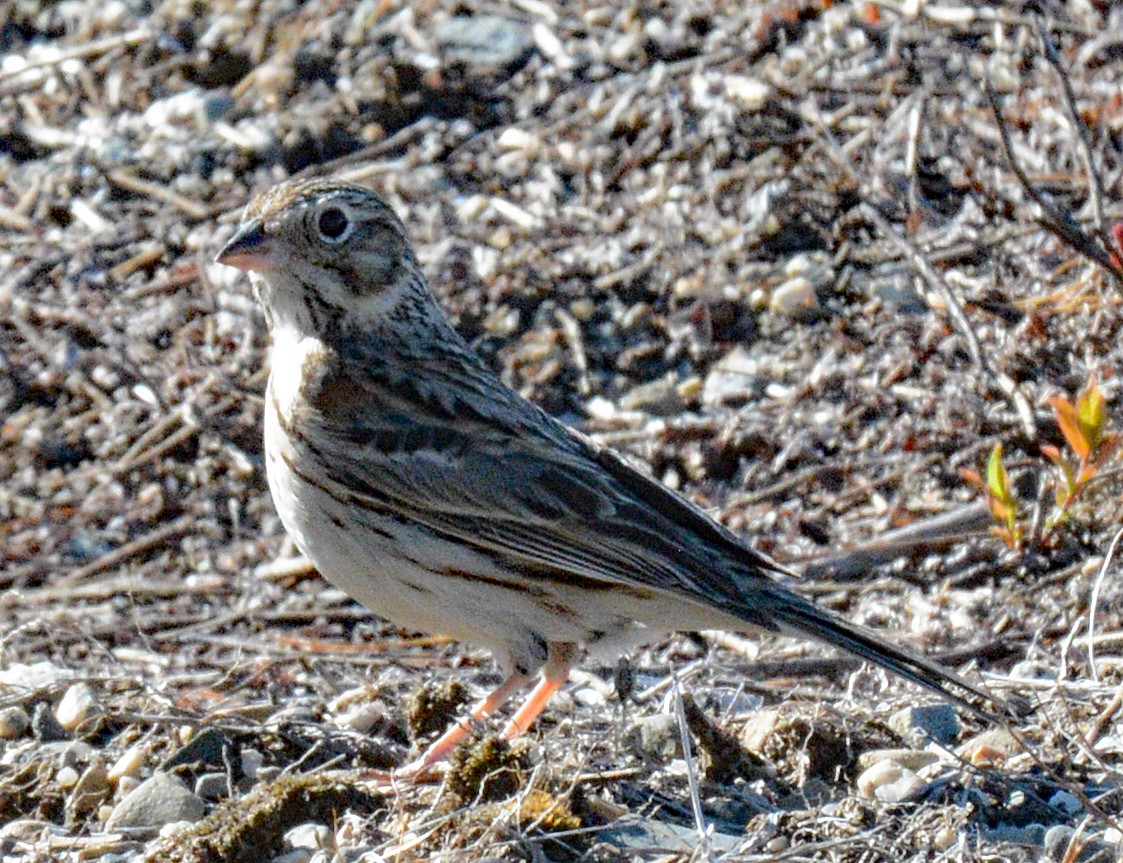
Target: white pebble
[310, 835]
[129, 764]
[751, 92]
[67, 777]
[889, 782]
[78, 704]
[795, 298]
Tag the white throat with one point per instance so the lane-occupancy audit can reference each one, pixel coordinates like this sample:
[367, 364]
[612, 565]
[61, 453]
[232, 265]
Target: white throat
[289, 358]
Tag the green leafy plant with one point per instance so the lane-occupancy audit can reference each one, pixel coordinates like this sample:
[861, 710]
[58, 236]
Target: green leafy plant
[1084, 428]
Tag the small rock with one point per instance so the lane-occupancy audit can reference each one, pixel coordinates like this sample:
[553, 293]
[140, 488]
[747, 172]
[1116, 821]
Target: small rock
[889, 782]
[921, 723]
[659, 397]
[129, 764]
[897, 290]
[363, 717]
[656, 737]
[253, 764]
[209, 748]
[733, 378]
[796, 299]
[755, 733]
[1032, 670]
[67, 777]
[162, 799]
[79, 704]
[311, 835]
[644, 836]
[992, 746]
[126, 785]
[913, 759]
[300, 855]
[484, 42]
[14, 722]
[1057, 839]
[212, 786]
[753, 93]
[1066, 802]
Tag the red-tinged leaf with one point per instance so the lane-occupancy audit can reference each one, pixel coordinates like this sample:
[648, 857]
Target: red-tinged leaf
[1053, 454]
[973, 477]
[1091, 414]
[1070, 426]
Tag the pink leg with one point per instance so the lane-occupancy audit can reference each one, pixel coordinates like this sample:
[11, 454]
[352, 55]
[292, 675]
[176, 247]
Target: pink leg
[558, 662]
[554, 675]
[440, 749]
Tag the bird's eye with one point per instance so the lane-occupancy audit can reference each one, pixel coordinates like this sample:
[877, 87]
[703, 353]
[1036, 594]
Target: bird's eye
[334, 225]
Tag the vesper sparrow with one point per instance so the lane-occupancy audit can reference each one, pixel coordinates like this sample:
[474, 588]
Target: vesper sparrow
[441, 499]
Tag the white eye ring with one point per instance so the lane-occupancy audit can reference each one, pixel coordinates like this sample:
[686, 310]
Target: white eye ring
[334, 224]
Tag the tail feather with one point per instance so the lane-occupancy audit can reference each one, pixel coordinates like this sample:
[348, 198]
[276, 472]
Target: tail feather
[800, 616]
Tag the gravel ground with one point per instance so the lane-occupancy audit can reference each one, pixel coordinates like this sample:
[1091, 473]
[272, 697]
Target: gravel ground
[786, 256]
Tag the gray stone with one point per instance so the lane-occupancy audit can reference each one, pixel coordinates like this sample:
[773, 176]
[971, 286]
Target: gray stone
[484, 42]
[897, 289]
[918, 724]
[645, 836]
[14, 722]
[212, 786]
[162, 799]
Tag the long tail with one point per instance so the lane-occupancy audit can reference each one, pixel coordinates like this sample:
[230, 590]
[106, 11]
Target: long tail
[799, 615]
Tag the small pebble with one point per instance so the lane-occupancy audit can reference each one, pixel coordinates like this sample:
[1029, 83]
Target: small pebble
[14, 722]
[1031, 670]
[126, 784]
[299, 855]
[1066, 802]
[362, 717]
[889, 782]
[79, 704]
[484, 42]
[913, 759]
[753, 93]
[212, 786]
[252, 762]
[160, 800]
[129, 764]
[992, 746]
[796, 299]
[311, 835]
[67, 777]
[921, 723]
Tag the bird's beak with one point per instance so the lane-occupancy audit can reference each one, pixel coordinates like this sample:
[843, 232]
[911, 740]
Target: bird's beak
[248, 249]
